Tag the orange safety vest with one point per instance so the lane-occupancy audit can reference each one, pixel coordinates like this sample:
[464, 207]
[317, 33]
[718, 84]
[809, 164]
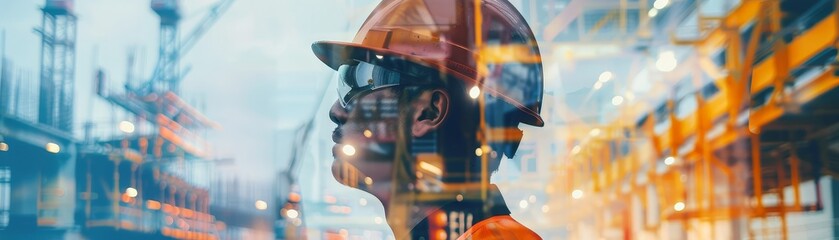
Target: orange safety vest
[499, 227]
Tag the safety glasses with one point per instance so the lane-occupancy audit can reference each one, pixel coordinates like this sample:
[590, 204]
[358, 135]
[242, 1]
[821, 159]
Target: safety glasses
[359, 78]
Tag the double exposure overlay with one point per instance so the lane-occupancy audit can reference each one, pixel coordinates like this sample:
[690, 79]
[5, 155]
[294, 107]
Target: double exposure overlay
[419, 119]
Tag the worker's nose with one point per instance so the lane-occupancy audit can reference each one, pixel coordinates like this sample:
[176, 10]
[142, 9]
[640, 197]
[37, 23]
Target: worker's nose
[338, 114]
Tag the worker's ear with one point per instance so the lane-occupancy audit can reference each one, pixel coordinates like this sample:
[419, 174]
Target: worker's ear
[430, 109]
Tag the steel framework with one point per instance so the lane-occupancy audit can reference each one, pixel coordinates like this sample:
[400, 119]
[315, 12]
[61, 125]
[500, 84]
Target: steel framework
[749, 119]
[58, 64]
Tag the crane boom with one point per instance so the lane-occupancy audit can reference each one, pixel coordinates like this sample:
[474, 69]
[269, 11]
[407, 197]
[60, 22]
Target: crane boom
[215, 12]
[167, 73]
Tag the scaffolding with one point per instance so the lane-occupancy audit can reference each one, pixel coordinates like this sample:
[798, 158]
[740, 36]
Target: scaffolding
[766, 112]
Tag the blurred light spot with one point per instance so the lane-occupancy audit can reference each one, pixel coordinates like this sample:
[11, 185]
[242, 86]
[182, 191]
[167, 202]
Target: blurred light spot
[131, 192]
[679, 206]
[368, 133]
[594, 132]
[459, 197]
[291, 213]
[652, 13]
[431, 168]
[126, 127]
[53, 148]
[294, 197]
[474, 92]
[545, 208]
[380, 56]
[531, 199]
[666, 61]
[349, 150]
[441, 219]
[479, 152]
[669, 160]
[4, 147]
[617, 100]
[660, 4]
[261, 205]
[598, 85]
[339, 209]
[362, 201]
[126, 199]
[441, 234]
[577, 194]
[523, 204]
[152, 204]
[605, 76]
[576, 149]
[368, 180]
[378, 220]
[330, 199]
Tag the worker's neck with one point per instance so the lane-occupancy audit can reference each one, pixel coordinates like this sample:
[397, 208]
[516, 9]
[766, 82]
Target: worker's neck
[409, 217]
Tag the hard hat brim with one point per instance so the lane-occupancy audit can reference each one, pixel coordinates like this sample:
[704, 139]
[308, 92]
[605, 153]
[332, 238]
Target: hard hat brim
[334, 54]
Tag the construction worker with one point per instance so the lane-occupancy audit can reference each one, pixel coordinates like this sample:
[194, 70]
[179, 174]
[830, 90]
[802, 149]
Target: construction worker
[431, 94]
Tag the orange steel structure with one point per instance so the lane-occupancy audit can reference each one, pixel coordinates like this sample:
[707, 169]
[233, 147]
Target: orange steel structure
[767, 105]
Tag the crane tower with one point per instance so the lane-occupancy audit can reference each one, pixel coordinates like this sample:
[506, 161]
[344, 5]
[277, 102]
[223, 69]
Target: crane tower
[58, 64]
[167, 73]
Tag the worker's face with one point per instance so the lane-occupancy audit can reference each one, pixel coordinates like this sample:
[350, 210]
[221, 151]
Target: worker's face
[369, 132]
[365, 139]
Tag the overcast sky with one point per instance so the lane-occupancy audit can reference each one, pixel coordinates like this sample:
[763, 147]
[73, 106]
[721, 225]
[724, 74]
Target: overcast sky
[254, 69]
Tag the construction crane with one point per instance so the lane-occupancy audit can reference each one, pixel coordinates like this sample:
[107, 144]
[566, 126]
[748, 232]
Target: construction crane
[171, 131]
[157, 98]
[167, 73]
[58, 64]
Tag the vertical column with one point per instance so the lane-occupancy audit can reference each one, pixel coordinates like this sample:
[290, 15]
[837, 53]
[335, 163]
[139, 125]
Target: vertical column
[58, 64]
[46, 95]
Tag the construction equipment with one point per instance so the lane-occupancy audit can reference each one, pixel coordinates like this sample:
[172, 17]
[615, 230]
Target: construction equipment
[167, 73]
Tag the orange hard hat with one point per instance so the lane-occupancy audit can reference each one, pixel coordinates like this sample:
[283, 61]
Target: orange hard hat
[441, 34]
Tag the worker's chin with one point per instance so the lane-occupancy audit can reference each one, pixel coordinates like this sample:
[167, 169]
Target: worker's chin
[353, 170]
[353, 180]
[337, 162]
[338, 169]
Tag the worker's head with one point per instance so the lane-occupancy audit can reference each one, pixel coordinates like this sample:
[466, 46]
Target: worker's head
[424, 101]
